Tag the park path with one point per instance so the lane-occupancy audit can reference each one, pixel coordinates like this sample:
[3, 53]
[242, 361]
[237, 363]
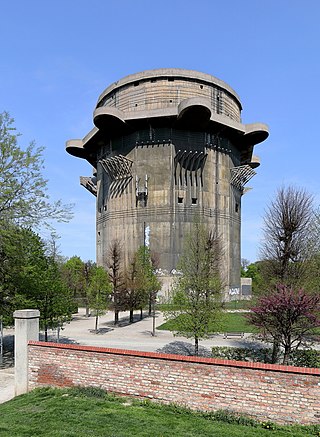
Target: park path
[6, 384]
[134, 336]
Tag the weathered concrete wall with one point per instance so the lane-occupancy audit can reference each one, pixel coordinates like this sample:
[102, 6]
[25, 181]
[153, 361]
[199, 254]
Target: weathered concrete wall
[161, 92]
[175, 195]
[168, 144]
[267, 392]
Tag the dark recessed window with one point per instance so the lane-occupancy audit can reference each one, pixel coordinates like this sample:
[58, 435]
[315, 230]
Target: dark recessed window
[194, 200]
[201, 87]
[170, 101]
[180, 199]
[237, 207]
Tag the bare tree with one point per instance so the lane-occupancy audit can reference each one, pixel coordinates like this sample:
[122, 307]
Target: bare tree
[288, 239]
[244, 263]
[288, 242]
[117, 279]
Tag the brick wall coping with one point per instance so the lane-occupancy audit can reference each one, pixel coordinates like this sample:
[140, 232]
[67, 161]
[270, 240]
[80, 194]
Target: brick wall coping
[172, 357]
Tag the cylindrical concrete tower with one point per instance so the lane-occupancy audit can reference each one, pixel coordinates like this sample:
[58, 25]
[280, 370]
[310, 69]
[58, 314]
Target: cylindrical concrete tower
[167, 145]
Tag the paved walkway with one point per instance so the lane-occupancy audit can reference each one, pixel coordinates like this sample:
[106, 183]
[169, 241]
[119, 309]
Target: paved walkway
[134, 336]
[6, 384]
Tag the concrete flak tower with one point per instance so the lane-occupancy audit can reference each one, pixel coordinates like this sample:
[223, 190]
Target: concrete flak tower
[167, 145]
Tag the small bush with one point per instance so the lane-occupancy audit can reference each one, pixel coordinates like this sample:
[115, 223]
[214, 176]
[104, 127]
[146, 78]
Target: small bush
[268, 425]
[91, 392]
[305, 358]
[262, 355]
[300, 358]
[231, 417]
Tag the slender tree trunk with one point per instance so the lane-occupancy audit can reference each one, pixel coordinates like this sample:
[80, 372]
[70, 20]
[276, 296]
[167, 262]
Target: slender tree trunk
[131, 316]
[150, 303]
[96, 325]
[87, 310]
[275, 351]
[45, 332]
[116, 317]
[141, 314]
[196, 346]
[286, 355]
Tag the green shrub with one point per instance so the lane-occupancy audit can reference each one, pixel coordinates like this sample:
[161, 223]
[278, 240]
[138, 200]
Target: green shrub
[305, 358]
[262, 355]
[300, 358]
[228, 416]
[91, 392]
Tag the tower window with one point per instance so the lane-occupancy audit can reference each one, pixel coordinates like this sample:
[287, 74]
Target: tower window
[194, 201]
[180, 199]
[237, 207]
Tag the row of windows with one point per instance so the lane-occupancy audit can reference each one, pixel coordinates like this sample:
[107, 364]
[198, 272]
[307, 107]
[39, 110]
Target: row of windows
[194, 201]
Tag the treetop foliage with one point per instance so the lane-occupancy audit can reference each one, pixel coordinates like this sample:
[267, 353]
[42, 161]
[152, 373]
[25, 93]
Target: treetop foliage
[286, 315]
[23, 190]
[196, 296]
[289, 239]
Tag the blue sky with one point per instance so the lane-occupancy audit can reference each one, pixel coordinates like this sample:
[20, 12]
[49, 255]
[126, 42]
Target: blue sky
[58, 56]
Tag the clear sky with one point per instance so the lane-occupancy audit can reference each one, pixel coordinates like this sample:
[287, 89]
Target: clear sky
[57, 56]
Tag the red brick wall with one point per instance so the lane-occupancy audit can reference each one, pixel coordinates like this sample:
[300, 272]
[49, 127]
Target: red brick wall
[281, 394]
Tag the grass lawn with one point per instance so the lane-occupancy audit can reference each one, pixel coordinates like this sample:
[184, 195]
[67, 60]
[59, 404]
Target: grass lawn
[238, 305]
[231, 322]
[60, 413]
[232, 305]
